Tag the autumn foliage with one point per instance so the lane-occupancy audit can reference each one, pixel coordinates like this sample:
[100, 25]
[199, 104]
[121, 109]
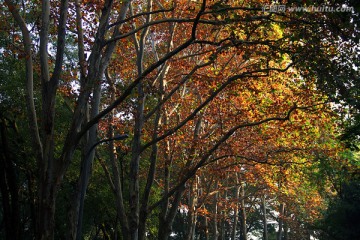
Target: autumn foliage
[226, 125]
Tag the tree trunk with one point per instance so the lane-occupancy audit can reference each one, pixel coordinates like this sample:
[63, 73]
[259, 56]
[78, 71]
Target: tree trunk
[134, 165]
[243, 214]
[117, 175]
[46, 211]
[87, 162]
[222, 224]
[281, 221]
[134, 192]
[214, 223]
[153, 156]
[192, 214]
[166, 221]
[263, 207]
[164, 227]
[206, 228]
[236, 209]
[74, 210]
[286, 227]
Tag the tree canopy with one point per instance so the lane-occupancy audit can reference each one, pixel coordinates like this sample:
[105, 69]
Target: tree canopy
[178, 119]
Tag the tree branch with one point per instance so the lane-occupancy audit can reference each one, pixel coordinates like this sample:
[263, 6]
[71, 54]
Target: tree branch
[32, 116]
[205, 157]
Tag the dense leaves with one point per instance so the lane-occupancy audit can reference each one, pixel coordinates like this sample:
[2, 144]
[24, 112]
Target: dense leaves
[233, 118]
[342, 217]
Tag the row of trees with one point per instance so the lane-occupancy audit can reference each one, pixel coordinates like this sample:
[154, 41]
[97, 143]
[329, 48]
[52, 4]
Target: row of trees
[225, 108]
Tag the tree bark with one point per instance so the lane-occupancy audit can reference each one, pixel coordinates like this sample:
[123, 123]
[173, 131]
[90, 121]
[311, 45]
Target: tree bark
[134, 191]
[222, 223]
[215, 231]
[50, 169]
[166, 221]
[87, 162]
[286, 227]
[206, 227]
[117, 177]
[192, 213]
[243, 213]
[31, 111]
[236, 209]
[263, 207]
[96, 71]
[280, 221]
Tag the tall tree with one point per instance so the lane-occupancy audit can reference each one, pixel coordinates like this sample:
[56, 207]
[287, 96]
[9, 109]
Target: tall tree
[195, 84]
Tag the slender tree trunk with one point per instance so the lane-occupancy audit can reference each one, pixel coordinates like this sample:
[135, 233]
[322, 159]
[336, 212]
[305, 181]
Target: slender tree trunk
[206, 227]
[215, 231]
[117, 182]
[236, 209]
[192, 214]
[153, 156]
[263, 207]
[86, 167]
[32, 116]
[120, 208]
[164, 226]
[286, 227]
[74, 208]
[73, 213]
[166, 221]
[134, 191]
[30, 104]
[222, 223]
[223, 212]
[243, 213]
[281, 221]
[168, 211]
[134, 165]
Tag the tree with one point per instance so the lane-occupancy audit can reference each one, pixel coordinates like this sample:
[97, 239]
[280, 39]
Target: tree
[342, 217]
[209, 77]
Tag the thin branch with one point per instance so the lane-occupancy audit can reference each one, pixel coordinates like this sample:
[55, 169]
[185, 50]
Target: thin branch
[146, 25]
[205, 157]
[174, 20]
[131, 87]
[209, 99]
[139, 15]
[177, 87]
